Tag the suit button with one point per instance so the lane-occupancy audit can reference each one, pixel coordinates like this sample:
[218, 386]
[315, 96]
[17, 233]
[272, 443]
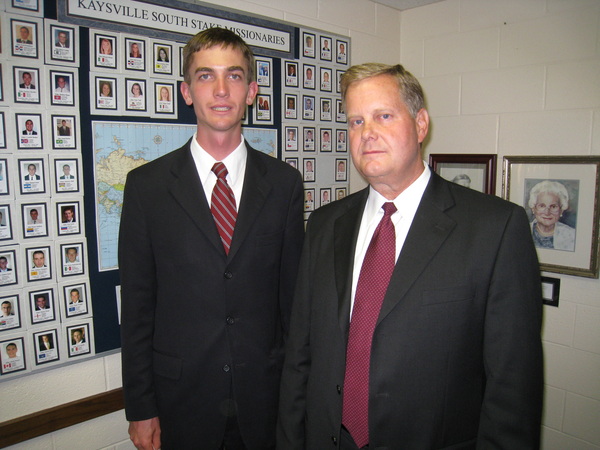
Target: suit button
[228, 275]
[334, 440]
[230, 321]
[226, 368]
[339, 389]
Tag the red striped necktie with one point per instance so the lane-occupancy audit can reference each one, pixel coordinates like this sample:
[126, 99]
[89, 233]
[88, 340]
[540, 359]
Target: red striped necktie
[222, 206]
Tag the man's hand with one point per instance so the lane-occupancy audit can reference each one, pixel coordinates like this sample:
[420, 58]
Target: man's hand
[145, 434]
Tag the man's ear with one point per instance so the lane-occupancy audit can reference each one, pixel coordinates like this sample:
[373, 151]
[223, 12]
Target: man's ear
[185, 93]
[252, 91]
[422, 123]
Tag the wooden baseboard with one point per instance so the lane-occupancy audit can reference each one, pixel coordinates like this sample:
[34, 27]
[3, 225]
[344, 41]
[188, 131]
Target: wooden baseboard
[37, 424]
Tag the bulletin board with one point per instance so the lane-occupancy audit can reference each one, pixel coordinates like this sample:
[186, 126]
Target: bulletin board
[89, 92]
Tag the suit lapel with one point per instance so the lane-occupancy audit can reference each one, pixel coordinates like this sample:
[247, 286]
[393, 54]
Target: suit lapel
[430, 228]
[188, 192]
[345, 234]
[254, 195]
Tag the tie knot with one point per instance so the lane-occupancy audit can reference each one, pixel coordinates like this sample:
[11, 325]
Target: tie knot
[220, 170]
[389, 208]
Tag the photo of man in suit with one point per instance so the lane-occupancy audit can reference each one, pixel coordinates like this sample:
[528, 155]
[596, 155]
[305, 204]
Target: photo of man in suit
[64, 130]
[29, 131]
[225, 221]
[417, 316]
[24, 36]
[27, 81]
[62, 40]
[67, 172]
[31, 172]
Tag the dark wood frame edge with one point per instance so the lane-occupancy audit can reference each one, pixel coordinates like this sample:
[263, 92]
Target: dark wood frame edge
[52, 419]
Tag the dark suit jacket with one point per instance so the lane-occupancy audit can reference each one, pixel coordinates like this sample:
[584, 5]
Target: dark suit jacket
[456, 357]
[195, 321]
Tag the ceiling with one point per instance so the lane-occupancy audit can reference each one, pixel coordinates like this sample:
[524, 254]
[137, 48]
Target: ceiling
[405, 4]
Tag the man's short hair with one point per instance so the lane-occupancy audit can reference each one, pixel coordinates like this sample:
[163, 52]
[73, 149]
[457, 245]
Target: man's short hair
[409, 87]
[212, 37]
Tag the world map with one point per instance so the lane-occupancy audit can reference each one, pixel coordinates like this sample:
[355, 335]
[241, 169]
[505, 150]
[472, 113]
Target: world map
[122, 146]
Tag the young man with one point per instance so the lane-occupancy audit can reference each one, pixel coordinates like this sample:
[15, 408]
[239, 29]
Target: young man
[205, 309]
[417, 316]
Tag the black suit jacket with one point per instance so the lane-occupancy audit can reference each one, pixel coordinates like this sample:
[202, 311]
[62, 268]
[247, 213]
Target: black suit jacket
[195, 322]
[456, 357]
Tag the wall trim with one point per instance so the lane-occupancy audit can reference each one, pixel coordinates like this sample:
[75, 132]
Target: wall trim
[53, 419]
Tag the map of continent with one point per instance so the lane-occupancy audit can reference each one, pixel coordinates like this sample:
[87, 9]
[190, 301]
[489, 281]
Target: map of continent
[122, 146]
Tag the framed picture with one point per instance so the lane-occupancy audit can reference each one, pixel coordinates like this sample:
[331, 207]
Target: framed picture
[309, 139]
[291, 139]
[308, 81]
[341, 51]
[291, 106]
[27, 84]
[325, 194]
[24, 38]
[291, 74]
[338, 80]
[79, 338]
[325, 79]
[136, 94]
[35, 220]
[32, 176]
[326, 45]
[163, 58]
[105, 50]
[66, 175]
[26, 5]
[550, 291]
[309, 200]
[8, 267]
[5, 229]
[46, 346]
[560, 196]
[341, 170]
[326, 109]
[42, 306]
[308, 44]
[72, 259]
[75, 299]
[325, 134]
[263, 108]
[62, 91]
[309, 169]
[2, 130]
[39, 263]
[292, 162]
[4, 177]
[263, 72]
[341, 144]
[12, 356]
[63, 43]
[68, 218]
[477, 172]
[340, 114]
[29, 131]
[340, 193]
[308, 107]
[10, 312]
[106, 93]
[164, 95]
[64, 132]
[135, 54]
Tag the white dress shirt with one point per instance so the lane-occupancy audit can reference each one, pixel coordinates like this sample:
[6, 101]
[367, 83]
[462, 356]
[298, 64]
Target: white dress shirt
[406, 204]
[236, 169]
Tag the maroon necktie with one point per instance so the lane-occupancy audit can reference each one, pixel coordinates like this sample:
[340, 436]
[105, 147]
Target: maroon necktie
[222, 206]
[373, 281]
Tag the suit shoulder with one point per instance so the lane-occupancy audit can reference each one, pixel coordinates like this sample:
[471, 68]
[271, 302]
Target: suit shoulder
[159, 164]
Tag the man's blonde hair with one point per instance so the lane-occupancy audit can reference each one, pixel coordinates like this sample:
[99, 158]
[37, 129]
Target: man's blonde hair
[409, 87]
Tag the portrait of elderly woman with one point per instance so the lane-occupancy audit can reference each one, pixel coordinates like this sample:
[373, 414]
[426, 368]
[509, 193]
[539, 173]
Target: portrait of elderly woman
[548, 200]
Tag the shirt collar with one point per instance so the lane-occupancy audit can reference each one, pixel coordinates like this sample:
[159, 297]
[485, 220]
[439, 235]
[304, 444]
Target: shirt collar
[235, 161]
